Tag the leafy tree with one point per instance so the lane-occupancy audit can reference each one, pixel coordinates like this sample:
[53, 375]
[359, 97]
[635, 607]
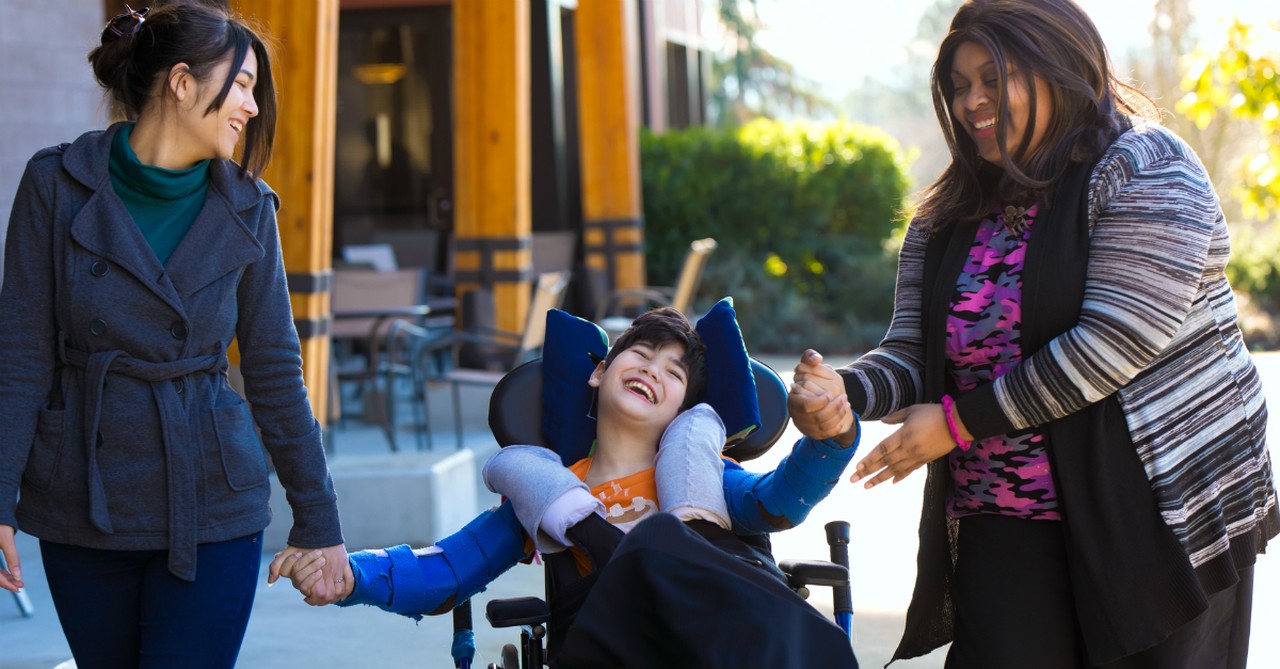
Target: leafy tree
[1239, 82]
[751, 82]
[1226, 91]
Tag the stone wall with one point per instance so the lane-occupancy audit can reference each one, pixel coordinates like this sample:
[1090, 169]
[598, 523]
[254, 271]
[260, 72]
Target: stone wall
[49, 92]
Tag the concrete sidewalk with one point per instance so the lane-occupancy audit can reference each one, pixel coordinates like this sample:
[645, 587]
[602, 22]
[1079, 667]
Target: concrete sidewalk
[284, 630]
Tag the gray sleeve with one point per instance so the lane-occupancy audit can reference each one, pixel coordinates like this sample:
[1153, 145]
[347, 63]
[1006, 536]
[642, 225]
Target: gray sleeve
[689, 471]
[532, 478]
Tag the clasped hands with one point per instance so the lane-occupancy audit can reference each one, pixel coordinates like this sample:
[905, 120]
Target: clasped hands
[322, 575]
[820, 409]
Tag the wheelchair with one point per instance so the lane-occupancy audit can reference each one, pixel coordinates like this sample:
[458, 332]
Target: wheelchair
[515, 417]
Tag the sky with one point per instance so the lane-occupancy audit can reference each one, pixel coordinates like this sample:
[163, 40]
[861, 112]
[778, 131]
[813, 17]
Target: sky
[836, 43]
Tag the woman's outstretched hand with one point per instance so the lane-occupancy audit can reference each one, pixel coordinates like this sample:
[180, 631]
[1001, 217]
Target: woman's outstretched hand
[922, 439]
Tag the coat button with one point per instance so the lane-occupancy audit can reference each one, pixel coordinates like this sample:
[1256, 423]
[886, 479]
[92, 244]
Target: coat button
[179, 385]
[99, 268]
[97, 327]
[178, 330]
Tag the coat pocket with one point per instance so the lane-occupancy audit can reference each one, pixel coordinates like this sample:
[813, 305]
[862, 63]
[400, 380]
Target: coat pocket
[243, 458]
[46, 449]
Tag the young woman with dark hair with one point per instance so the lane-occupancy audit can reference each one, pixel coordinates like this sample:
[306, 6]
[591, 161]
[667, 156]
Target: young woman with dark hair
[135, 254]
[1064, 356]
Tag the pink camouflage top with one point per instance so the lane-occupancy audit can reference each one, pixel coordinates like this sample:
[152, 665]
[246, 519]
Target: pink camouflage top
[1005, 474]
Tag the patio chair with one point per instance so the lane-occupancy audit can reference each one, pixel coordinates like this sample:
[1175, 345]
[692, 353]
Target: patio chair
[500, 350]
[622, 305]
[359, 335]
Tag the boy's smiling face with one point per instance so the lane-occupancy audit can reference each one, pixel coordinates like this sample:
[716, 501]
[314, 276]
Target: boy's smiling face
[644, 383]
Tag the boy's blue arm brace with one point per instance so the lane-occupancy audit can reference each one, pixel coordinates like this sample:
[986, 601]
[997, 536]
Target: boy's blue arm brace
[782, 498]
[415, 584]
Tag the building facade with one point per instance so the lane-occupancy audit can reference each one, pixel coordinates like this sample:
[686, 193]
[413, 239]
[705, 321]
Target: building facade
[484, 140]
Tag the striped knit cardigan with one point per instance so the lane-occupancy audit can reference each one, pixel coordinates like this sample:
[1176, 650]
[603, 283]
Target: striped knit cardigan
[1156, 338]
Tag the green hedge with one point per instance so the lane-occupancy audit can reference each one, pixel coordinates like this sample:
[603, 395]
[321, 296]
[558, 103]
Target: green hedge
[1254, 267]
[807, 219]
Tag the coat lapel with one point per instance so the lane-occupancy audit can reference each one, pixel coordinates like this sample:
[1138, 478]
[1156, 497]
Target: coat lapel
[104, 227]
[219, 242]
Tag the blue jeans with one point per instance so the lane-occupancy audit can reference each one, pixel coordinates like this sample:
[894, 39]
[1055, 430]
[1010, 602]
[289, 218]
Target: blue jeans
[123, 609]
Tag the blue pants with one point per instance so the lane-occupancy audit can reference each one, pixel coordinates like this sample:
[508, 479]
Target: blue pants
[123, 609]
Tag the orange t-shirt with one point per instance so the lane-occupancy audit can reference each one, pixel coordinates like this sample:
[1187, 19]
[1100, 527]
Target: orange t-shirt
[627, 501]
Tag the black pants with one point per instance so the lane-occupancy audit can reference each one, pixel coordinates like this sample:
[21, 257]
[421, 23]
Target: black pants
[1015, 607]
[669, 598]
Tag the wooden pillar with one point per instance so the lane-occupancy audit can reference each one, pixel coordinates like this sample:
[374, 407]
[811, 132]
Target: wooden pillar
[491, 159]
[609, 127]
[304, 41]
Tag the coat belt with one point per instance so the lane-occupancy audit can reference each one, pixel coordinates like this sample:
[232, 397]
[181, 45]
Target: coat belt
[179, 458]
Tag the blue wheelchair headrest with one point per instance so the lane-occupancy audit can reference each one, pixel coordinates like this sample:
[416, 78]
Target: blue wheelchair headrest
[546, 402]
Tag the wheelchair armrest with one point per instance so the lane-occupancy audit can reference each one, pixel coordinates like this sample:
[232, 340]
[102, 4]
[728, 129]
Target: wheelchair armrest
[517, 611]
[814, 572]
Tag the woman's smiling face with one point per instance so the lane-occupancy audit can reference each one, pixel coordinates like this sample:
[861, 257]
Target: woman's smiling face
[976, 99]
[215, 134]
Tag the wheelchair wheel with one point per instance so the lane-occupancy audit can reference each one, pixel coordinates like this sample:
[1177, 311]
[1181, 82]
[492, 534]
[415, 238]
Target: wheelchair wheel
[510, 657]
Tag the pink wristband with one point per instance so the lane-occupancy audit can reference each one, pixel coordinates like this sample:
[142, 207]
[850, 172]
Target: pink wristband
[948, 408]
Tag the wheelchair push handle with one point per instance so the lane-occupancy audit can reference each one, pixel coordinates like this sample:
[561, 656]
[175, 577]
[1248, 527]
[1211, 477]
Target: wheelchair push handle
[837, 533]
[838, 541]
[464, 643]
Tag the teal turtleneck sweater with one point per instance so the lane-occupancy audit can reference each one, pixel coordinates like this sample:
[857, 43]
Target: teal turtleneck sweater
[164, 203]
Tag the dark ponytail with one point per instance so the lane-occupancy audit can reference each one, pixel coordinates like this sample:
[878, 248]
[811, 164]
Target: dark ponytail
[139, 48]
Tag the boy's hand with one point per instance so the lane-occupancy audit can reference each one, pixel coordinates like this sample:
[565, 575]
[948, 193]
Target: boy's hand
[283, 563]
[817, 402]
[309, 578]
[811, 369]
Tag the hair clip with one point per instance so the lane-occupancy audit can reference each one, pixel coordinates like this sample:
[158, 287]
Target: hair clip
[129, 22]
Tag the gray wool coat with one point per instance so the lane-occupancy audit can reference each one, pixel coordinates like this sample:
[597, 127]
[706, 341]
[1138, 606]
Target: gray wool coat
[117, 422]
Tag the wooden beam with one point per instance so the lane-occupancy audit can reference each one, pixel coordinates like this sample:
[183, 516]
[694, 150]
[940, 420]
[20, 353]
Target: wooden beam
[492, 152]
[304, 41]
[609, 126]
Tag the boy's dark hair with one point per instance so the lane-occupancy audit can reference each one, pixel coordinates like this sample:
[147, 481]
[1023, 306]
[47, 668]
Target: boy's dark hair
[138, 48]
[663, 326]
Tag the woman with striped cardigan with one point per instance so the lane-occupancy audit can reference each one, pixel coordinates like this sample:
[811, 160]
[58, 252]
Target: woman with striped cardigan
[1064, 357]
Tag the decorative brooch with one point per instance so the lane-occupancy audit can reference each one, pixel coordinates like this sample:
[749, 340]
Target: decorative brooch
[1015, 219]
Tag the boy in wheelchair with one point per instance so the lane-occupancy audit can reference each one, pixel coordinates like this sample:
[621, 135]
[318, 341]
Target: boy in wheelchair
[666, 565]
